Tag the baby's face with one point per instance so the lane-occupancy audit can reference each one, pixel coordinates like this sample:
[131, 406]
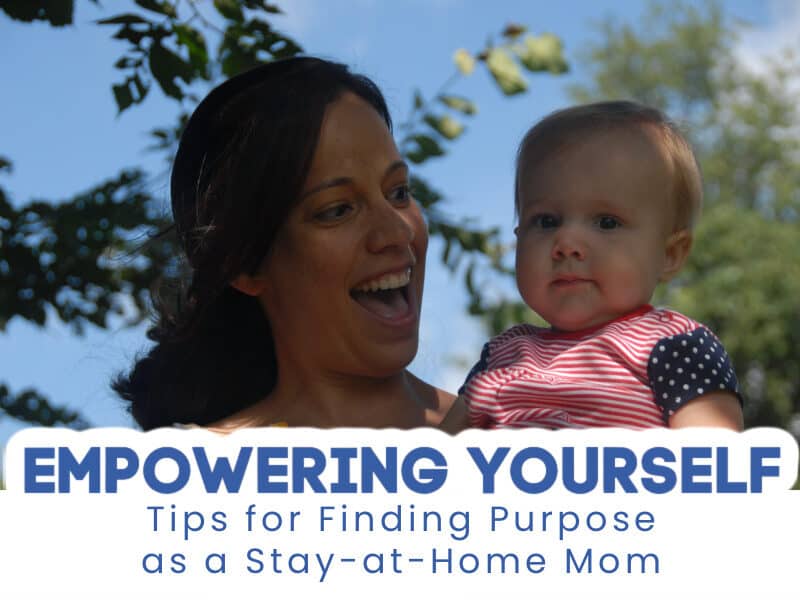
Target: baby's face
[593, 228]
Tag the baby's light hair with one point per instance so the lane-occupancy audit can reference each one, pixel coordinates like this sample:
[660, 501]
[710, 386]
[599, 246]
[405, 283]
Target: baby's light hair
[560, 129]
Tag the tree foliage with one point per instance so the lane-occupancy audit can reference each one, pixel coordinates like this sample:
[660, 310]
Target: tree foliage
[84, 256]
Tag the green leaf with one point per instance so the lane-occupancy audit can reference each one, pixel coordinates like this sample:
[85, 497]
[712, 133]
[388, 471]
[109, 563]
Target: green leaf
[195, 43]
[134, 36]
[543, 53]
[424, 147]
[514, 30]
[263, 5]
[445, 126]
[140, 87]
[459, 103]
[127, 62]
[423, 192]
[505, 71]
[230, 9]
[162, 8]
[469, 278]
[56, 12]
[419, 101]
[166, 66]
[122, 95]
[126, 19]
[465, 62]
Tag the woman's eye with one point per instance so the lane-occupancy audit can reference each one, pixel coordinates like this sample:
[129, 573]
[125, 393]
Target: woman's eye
[333, 213]
[545, 221]
[400, 194]
[608, 222]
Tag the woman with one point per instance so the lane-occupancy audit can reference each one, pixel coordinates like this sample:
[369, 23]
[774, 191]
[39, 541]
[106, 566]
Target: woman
[307, 256]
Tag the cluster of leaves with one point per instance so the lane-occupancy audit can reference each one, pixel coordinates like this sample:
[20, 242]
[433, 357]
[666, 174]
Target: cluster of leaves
[85, 256]
[168, 45]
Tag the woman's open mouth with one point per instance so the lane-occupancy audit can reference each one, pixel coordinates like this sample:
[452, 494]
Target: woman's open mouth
[387, 296]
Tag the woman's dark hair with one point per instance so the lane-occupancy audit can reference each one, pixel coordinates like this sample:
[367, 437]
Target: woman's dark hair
[240, 167]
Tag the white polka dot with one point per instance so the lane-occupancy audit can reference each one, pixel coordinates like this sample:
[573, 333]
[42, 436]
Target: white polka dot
[661, 378]
[686, 386]
[699, 390]
[714, 371]
[666, 365]
[700, 366]
[665, 395]
[702, 341]
[694, 376]
[694, 350]
[674, 355]
[705, 333]
[672, 382]
[683, 342]
[687, 359]
[707, 381]
[707, 357]
[679, 370]
[722, 386]
[662, 348]
[655, 360]
[678, 399]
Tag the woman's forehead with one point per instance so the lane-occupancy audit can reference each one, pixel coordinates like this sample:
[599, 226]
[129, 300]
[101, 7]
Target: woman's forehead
[354, 140]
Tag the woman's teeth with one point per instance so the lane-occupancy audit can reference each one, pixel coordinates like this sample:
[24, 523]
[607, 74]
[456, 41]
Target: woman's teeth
[387, 282]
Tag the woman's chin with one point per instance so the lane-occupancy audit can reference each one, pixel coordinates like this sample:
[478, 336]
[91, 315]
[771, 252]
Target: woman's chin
[387, 360]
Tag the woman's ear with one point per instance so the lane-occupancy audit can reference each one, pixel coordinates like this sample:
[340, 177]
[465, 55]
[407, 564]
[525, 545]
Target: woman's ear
[677, 249]
[252, 285]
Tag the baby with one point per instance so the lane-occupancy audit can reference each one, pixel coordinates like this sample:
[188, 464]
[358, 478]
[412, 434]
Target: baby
[607, 195]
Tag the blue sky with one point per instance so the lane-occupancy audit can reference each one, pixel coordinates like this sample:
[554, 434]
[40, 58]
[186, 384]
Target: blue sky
[59, 126]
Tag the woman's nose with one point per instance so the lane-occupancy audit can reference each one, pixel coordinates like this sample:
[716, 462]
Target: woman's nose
[390, 227]
[568, 244]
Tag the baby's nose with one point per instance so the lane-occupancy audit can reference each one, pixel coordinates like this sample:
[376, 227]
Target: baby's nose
[568, 244]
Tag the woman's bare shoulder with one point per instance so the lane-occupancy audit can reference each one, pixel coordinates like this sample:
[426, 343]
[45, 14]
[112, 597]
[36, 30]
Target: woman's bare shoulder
[437, 402]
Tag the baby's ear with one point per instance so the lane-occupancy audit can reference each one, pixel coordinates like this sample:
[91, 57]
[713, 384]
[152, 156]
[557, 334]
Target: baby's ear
[677, 249]
[252, 285]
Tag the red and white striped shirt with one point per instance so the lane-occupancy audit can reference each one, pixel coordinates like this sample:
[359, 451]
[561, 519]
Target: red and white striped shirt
[632, 372]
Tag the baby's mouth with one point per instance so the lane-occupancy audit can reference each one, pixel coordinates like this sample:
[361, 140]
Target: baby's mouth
[387, 296]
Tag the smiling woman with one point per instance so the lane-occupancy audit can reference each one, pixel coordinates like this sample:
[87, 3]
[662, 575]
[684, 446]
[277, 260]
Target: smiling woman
[307, 255]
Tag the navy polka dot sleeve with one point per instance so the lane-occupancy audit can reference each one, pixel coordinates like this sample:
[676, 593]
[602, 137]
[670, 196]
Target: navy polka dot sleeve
[683, 367]
[478, 367]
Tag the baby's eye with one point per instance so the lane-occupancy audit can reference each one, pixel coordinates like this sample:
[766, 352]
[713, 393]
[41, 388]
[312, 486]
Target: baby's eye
[608, 222]
[400, 195]
[333, 213]
[545, 221]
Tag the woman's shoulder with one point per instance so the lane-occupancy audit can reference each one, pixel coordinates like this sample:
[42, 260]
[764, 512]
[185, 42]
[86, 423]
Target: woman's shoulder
[436, 401]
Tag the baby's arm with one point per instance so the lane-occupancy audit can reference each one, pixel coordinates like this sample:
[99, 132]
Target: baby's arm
[716, 409]
[457, 418]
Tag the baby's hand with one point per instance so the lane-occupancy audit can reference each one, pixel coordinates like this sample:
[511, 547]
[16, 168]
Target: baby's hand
[457, 418]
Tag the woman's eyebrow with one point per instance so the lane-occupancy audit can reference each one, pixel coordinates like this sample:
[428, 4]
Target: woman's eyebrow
[337, 181]
[398, 164]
